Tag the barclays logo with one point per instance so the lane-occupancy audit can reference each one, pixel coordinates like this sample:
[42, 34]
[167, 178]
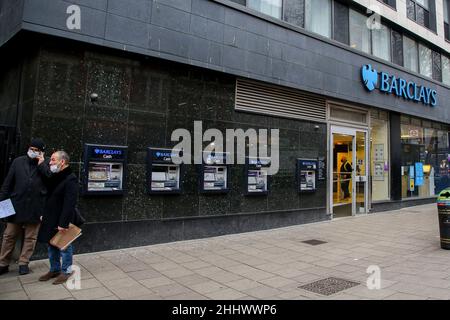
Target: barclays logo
[370, 77]
[390, 84]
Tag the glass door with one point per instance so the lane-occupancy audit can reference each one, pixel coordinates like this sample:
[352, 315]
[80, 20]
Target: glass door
[361, 170]
[349, 168]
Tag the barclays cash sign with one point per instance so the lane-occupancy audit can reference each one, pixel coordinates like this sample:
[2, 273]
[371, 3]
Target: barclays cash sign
[398, 86]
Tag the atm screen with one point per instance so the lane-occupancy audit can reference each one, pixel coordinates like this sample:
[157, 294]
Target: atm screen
[105, 176]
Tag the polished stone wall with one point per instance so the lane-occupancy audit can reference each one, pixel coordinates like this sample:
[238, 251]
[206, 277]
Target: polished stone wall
[141, 101]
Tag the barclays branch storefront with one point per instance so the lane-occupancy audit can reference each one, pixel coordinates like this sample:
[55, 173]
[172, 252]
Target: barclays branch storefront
[245, 71]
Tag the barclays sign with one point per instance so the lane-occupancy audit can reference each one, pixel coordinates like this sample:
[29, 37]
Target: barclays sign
[400, 87]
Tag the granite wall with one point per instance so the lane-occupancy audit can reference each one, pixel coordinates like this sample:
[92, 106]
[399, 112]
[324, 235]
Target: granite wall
[141, 101]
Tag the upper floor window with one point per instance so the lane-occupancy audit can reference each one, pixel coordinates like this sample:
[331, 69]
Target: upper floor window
[445, 70]
[390, 3]
[446, 14]
[376, 41]
[410, 54]
[419, 11]
[425, 61]
[381, 43]
[269, 7]
[318, 16]
[359, 32]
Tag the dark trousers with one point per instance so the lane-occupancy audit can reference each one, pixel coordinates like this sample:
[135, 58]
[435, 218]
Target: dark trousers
[344, 187]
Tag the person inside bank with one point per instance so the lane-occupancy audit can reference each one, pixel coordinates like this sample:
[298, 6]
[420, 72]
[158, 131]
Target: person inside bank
[346, 175]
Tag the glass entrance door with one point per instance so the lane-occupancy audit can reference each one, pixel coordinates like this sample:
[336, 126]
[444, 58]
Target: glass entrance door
[349, 168]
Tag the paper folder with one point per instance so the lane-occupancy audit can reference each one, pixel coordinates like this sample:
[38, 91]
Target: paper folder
[63, 239]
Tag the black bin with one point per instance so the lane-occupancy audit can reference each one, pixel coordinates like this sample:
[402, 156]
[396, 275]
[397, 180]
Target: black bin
[443, 204]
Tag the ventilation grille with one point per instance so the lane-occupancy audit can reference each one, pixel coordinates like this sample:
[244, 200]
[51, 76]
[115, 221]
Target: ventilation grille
[252, 96]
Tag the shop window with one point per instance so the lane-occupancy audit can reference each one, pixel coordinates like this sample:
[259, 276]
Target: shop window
[359, 33]
[424, 158]
[318, 16]
[446, 70]
[425, 61]
[269, 7]
[379, 156]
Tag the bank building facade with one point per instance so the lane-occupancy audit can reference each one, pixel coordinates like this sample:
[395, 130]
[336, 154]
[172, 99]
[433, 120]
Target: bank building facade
[359, 92]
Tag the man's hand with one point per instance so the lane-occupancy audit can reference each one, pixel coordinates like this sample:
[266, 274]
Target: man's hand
[40, 158]
[40, 218]
[62, 229]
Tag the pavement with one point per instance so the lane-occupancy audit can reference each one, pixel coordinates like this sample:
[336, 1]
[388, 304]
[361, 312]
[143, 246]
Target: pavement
[403, 245]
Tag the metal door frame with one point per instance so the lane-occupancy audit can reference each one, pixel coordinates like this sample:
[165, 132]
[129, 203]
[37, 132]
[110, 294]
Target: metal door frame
[351, 131]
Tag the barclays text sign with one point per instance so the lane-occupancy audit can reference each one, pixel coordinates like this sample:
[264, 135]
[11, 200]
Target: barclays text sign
[398, 86]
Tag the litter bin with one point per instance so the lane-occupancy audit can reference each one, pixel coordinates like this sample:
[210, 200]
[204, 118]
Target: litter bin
[443, 204]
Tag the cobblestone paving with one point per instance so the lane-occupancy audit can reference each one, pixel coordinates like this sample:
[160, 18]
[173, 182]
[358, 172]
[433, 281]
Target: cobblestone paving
[270, 264]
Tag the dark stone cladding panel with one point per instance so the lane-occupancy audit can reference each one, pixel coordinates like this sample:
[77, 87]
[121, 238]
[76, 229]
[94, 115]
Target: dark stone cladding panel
[221, 35]
[406, 203]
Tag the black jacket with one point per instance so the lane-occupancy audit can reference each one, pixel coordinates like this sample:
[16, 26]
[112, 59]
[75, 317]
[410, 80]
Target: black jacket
[346, 167]
[60, 205]
[25, 186]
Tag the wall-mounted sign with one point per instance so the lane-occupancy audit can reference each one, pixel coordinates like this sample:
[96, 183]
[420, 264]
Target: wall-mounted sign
[390, 84]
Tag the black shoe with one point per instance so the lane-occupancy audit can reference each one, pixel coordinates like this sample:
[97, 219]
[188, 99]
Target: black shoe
[4, 270]
[24, 270]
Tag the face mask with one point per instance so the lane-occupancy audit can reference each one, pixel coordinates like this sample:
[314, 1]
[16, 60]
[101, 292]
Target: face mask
[33, 154]
[54, 168]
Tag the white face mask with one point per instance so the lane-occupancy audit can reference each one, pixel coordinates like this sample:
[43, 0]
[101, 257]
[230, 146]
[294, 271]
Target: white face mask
[54, 168]
[33, 154]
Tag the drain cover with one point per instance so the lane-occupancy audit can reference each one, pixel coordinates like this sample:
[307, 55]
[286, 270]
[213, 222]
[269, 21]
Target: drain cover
[314, 242]
[329, 286]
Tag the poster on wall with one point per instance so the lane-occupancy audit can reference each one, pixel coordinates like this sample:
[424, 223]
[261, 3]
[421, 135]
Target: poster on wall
[419, 173]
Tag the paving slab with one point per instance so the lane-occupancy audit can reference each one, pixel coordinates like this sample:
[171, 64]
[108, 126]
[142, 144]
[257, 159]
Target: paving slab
[268, 264]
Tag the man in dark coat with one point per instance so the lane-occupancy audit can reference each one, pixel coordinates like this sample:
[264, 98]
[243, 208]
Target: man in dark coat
[59, 212]
[25, 187]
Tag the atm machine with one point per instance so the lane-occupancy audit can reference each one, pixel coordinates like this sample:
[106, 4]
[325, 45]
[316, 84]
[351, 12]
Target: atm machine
[307, 175]
[104, 171]
[163, 175]
[214, 173]
[256, 177]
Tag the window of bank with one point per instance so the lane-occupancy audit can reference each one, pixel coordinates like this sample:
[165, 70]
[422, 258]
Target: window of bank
[424, 157]
[379, 151]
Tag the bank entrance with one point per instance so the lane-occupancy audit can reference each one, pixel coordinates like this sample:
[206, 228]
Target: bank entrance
[348, 162]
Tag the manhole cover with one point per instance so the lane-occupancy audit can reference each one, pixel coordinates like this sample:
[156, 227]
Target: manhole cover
[314, 242]
[329, 286]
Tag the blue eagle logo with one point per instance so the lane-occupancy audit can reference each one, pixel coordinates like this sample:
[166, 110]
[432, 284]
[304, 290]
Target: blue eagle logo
[370, 77]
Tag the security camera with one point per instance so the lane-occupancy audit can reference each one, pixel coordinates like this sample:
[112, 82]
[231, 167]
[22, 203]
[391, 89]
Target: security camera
[94, 97]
